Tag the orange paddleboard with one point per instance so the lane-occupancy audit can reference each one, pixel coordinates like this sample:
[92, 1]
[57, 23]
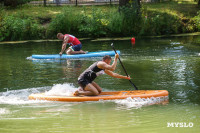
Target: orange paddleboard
[112, 95]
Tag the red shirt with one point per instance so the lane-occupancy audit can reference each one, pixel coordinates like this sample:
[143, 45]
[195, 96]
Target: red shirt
[72, 40]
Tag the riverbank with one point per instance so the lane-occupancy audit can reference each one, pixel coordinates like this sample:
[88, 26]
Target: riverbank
[29, 22]
[101, 39]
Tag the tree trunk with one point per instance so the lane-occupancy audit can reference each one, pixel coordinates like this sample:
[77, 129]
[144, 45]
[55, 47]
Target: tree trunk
[57, 2]
[135, 4]
[12, 3]
[123, 2]
[139, 4]
[45, 2]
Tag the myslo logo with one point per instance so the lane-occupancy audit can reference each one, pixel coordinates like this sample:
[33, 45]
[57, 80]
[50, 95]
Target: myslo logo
[179, 124]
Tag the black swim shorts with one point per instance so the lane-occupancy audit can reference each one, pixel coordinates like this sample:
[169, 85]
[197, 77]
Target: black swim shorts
[86, 78]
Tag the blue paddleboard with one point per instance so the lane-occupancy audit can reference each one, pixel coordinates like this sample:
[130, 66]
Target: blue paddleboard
[65, 56]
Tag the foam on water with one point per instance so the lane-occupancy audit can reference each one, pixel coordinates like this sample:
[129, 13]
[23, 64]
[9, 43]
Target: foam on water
[15, 97]
[4, 111]
[61, 90]
[21, 96]
[139, 102]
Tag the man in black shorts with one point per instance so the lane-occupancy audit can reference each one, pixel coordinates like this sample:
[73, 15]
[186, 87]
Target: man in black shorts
[86, 79]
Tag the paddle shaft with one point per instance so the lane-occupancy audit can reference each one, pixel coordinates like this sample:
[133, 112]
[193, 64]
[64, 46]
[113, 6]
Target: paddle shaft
[124, 68]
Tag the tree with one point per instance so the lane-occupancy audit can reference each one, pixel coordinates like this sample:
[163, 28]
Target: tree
[15, 3]
[131, 3]
[45, 2]
[123, 2]
[57, 2]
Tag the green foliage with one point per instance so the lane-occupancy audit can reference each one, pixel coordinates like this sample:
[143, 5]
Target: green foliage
[197, 21]
[94, 24]
[160, 24]
[13, 28]
[65, 22]
[131, 21]
[2, 12]
[124, 23]
[115, 25]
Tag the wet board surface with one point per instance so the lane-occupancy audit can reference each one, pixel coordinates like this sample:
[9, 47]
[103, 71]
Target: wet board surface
[65, 56]
[111, 95]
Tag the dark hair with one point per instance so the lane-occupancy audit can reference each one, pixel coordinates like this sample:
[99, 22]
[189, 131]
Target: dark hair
[106, 57]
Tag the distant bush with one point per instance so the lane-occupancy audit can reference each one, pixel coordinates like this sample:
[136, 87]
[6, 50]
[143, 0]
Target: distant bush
[197, 21]
[127, 22]
[13, 28]
[94, 24]
[115, 25]
[160, 24]
[65, 22]
[124, 23]
[131, 21]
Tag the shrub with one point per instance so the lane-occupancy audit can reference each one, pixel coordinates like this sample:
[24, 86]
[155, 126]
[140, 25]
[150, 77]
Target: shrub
[197, 21]
[14, 28]
[160, 24]
[131, 21]
[115, 25]
[66, 22]
[93, 25]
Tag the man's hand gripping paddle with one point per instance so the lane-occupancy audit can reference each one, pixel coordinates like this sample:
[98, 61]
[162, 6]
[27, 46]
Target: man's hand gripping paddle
[123, 67]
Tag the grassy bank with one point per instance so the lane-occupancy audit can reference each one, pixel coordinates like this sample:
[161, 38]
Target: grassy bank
[29, 22]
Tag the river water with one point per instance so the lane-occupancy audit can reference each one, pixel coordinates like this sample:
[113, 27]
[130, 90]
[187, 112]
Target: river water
[171, 64]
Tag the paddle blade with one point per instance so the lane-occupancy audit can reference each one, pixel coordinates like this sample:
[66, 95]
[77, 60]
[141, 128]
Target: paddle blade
[112, 45]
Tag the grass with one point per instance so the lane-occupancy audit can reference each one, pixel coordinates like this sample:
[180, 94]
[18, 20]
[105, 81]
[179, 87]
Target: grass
[162, 18]
[183, 9]
[50, 11]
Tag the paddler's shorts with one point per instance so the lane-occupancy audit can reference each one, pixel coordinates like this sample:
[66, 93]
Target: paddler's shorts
[76, 47]
[86, 78]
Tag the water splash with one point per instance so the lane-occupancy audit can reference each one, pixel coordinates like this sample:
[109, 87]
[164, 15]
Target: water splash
[4, 111]
[140, 102]
[15, 97]
[19, 96]
[61, 90]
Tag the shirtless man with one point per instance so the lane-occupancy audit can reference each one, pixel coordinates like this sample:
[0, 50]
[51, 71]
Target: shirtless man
[75, 44]
[86, 79]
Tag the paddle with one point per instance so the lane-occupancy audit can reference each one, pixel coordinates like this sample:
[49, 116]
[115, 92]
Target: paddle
[124, 67]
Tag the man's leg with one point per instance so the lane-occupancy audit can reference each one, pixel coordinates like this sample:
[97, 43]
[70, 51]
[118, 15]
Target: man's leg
[69, 51]
[97, 86]
[89, 90]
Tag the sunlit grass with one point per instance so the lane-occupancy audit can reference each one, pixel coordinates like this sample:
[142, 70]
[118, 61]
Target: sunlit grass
[180, 8]
[104, 20]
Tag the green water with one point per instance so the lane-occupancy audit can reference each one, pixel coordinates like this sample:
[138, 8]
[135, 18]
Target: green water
[172, 64]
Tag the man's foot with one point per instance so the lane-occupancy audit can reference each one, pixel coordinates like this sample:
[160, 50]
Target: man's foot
[76, 93]
[83, 52]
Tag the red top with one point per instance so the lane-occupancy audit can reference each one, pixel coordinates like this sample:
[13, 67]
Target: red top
[72, 40]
